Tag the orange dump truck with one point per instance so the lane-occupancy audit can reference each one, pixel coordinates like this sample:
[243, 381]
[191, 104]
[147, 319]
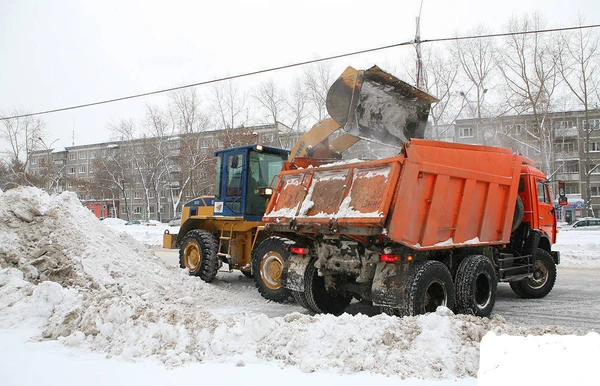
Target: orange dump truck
[439, 224]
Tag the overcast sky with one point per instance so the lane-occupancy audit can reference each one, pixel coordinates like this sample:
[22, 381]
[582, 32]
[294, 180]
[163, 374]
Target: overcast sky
[60, 53]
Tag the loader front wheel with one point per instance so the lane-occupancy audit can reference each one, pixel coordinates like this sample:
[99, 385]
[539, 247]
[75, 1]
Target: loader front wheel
[429, 286]
[542, 282]
[476, 286]
[317, 296]
[198, 253]
[267, 266]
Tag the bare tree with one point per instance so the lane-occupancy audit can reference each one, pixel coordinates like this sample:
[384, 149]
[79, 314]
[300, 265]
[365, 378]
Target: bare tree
[579, 69]
[228, 102]
[271, 100]
[22, 135]
[317, 80]
[477, 61]
[186, 111]
[528, 66]
[297, 105]
[439, 73]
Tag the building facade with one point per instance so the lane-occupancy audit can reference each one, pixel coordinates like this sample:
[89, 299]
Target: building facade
[148, 178]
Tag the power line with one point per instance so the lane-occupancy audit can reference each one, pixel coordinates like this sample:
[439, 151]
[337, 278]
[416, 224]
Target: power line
[298, 64]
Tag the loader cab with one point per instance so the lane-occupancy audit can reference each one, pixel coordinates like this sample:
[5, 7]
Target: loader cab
[243, 173]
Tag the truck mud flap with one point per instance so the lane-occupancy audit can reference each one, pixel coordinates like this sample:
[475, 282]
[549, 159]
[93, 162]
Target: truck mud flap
[293, 272]
[389, 286]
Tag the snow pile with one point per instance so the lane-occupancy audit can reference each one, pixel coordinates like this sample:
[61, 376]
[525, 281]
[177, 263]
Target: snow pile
[578, 248]
[88, 286]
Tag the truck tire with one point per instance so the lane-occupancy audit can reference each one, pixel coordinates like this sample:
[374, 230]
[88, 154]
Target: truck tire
[300, 298]
[198, 253]
[267, 266]
[475, 286]
[518, 215]
[318, 298]
[429, 285]
[542, 282]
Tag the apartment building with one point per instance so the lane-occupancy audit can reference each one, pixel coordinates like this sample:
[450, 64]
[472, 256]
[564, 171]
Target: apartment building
[127, 179]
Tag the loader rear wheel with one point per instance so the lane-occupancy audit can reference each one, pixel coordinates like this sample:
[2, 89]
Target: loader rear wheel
[429, 286]
[267, 265]
[476, 286]
[317, 296]
[542, 282]
[198, 253]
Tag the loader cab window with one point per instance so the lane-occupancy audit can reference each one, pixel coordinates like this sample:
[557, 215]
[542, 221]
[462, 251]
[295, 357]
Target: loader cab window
[234, 181]
[263, 167]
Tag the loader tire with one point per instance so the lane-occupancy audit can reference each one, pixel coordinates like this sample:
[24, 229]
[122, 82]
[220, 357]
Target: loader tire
[198, 253]
[429, 285]
[543, 280]
[267, 266]
[318, 298]
[475, 286]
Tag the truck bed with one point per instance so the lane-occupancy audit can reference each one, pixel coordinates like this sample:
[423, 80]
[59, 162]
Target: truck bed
[433, 195]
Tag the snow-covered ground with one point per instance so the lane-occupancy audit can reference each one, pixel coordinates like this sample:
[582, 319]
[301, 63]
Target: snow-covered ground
[88, 301]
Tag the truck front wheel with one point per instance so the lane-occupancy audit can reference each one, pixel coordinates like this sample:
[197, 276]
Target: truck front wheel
[542, 282]
[198, 253]
[429, 286]
[476, 286]
[267, 266]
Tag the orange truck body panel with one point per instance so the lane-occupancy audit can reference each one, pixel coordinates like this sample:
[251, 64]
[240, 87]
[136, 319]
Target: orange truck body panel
[434, 195]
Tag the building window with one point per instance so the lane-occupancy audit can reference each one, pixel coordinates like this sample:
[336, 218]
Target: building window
[594, 146]
[73, 156]
[34, 160]
[162, 210]
[137, 195]
[571, 167]
[82, 155]
[151, 209]
[82, 169]
[592, 124]
[92, 154]
[91, 170]
[123, 210]
[595, 191]
[565, 147]
[162, 194]
[126, 195]
[150, 194]
[137, 210]
[71, 170]
[466, 132]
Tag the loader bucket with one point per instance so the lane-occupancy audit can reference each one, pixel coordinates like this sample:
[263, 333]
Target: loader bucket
[376, 106]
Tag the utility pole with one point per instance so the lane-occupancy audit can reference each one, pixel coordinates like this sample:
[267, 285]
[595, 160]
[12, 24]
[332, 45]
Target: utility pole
[419, 80]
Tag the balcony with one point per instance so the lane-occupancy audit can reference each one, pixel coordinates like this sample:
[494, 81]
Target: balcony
[566, 132]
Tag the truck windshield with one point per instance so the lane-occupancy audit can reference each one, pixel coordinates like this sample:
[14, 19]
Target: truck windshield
[263, 167]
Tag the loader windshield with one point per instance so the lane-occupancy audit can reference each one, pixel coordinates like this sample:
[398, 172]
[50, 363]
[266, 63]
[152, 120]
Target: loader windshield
[263, 167]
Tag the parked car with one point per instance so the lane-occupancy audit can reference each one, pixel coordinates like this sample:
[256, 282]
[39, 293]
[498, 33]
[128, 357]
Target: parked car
[587, 223]
[133, 222]
[175, 222]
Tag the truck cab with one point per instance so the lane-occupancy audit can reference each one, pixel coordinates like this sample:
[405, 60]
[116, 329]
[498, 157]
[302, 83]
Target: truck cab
[539, 211]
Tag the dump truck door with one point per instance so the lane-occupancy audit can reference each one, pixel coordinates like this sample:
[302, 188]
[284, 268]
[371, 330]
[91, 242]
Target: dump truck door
[546, 211]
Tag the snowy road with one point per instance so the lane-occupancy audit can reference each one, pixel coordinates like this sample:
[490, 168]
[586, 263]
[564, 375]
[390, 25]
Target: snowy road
[574, 303]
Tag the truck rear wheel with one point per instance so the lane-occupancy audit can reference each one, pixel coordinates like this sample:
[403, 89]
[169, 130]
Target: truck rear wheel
[198, 253]
[317, 297]
[267, 266]
[476, 286]
[542, 282]
[429, 286]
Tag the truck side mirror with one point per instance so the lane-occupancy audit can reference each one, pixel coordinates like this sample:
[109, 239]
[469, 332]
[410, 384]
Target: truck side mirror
[562, 198]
